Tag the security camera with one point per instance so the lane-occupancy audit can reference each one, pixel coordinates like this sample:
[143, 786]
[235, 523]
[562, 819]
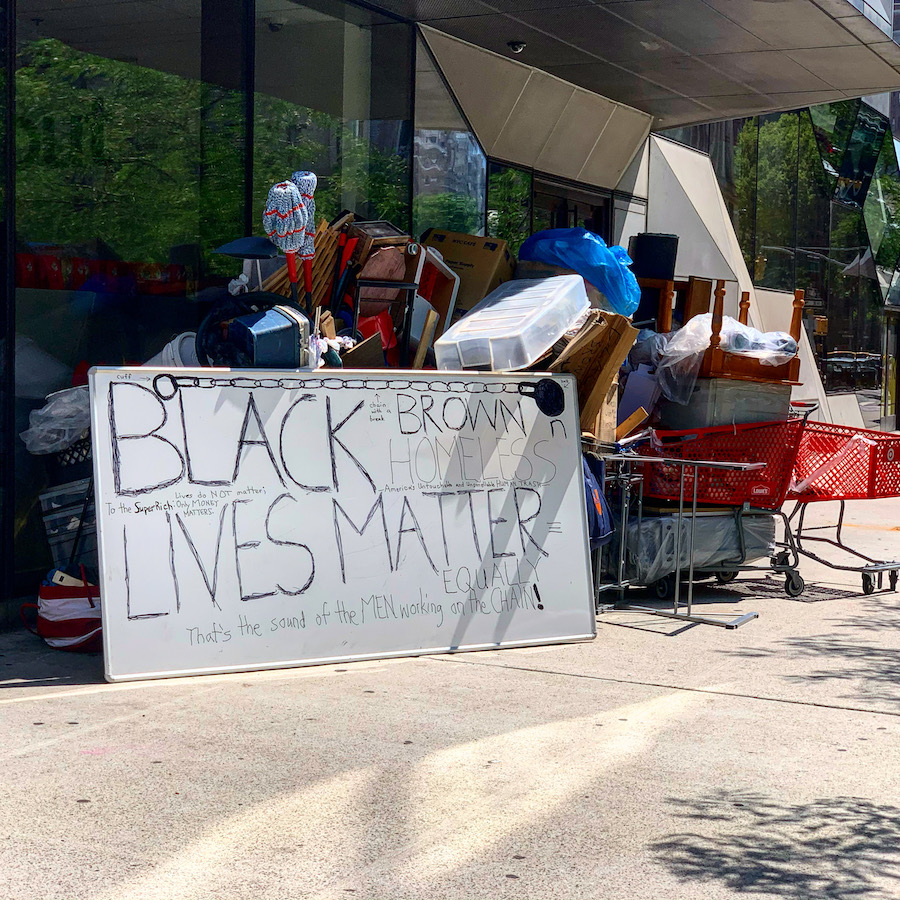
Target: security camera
[275, 25]
[516, 46]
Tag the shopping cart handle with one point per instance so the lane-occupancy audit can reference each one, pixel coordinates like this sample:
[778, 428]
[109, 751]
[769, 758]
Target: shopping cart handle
[804, 407]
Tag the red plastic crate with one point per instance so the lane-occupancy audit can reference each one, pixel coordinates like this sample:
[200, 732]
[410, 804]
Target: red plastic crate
[837, 462]
[772, 443]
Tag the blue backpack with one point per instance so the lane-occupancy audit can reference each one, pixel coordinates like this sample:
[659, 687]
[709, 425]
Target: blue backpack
[600, 527]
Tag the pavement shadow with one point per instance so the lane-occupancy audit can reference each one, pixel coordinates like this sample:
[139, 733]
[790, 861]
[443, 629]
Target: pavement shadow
[860, 658]
[772, 587]
[839, 847]
[765, 587]
[26, 661]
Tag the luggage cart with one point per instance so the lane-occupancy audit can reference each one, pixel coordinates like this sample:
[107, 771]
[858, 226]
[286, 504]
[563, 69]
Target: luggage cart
[748, 491]
[840, 463]
[627, 474]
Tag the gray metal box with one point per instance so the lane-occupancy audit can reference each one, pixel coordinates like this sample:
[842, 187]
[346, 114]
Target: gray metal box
[726, 401]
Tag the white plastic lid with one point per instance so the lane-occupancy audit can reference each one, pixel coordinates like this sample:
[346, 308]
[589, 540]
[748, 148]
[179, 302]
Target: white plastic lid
[514, 325]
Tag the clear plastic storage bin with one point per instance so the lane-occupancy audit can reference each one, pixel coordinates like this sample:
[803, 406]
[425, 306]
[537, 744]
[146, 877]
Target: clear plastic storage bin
[514, 325]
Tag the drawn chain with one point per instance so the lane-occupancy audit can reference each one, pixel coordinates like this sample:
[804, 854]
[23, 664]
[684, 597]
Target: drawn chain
[176, 382]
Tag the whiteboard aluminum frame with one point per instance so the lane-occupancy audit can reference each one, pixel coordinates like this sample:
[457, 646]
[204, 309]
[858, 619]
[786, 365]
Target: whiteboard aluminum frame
[97, 409]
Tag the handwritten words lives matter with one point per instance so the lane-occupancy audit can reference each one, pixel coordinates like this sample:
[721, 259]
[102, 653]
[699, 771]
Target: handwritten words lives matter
[356, 503]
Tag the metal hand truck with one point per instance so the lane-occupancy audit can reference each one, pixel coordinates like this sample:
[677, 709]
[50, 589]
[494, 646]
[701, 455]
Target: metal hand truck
[626, 475]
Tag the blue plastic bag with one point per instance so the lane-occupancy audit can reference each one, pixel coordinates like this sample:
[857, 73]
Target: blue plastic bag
[600, 528]
[586, 253]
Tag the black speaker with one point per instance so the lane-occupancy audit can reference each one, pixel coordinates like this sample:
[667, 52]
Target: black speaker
[653, 255]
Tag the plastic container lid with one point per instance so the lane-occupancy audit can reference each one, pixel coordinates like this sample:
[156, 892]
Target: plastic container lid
[514, 325]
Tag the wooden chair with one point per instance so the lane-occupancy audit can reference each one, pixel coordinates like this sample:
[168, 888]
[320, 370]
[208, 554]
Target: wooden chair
[686, 298]
[719, 363]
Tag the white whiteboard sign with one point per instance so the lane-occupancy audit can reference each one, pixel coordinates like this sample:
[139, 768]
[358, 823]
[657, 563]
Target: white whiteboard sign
[252, 520]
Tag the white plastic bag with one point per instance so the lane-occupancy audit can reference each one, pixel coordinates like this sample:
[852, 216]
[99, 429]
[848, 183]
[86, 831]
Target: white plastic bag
[683, 354]
[60, 422]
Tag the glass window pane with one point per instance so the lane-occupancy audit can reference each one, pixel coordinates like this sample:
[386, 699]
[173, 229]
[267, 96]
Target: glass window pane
[776, 208]
[882, 214]
[861, 155]
[891, 373]
[814, 192]
[108, 208]
[558, 205]
[832, 124]
[7, 328]
[746, 169]
[449, 167]
[333, 96]
[509, 204]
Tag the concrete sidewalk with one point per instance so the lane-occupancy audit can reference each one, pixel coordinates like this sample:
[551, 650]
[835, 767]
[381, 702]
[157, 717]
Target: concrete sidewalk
[659, 761]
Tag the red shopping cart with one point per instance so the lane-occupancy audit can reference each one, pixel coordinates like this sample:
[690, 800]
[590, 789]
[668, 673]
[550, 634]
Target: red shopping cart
[753, 492]
[772, 443]
[839, 463]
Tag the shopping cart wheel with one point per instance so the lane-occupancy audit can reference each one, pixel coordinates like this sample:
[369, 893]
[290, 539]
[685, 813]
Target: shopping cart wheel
[726, 577]
[893, 580]
[794, 584]
[664, 589]
[868, 583]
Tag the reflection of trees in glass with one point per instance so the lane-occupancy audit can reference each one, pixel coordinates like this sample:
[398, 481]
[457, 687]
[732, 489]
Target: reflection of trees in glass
[352, 170]
[105, 151]
[743, 213]
[882, 211]
[509, 205]
[776, 200]
[778, 169]
[448, 211]
[449, 181]
[110, 152]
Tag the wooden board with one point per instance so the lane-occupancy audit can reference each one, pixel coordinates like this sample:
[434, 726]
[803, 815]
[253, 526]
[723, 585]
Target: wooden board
[594, 357]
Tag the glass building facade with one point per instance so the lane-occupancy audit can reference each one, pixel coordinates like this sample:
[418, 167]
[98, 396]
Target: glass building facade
[141, 136]
[814, 196]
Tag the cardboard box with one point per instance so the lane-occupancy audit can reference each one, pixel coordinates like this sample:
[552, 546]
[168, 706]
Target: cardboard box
[481, 263]
[594, 357]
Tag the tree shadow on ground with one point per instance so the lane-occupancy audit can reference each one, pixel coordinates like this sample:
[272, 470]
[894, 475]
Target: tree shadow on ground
[839, 847]
[850, 653]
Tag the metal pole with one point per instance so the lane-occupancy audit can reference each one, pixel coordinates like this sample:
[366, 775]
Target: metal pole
[693, 523]
[678, 537]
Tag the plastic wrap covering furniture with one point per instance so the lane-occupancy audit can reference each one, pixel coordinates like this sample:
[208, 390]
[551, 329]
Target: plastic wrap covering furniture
[682, 357]
[606, 268]
[651, 551]
[514, 325]
[60, 422]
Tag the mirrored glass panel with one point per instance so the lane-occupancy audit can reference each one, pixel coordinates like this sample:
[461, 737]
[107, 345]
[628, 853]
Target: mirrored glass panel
[509, 204]
[449, 166]
[814, 191]
[882, 214]
[776, 204]
[832, 124]
[7, 338]
[861, 155]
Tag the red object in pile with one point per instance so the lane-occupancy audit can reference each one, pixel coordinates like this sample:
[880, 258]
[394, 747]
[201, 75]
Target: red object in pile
[68, 617]
[837, 462]
[772, 443]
